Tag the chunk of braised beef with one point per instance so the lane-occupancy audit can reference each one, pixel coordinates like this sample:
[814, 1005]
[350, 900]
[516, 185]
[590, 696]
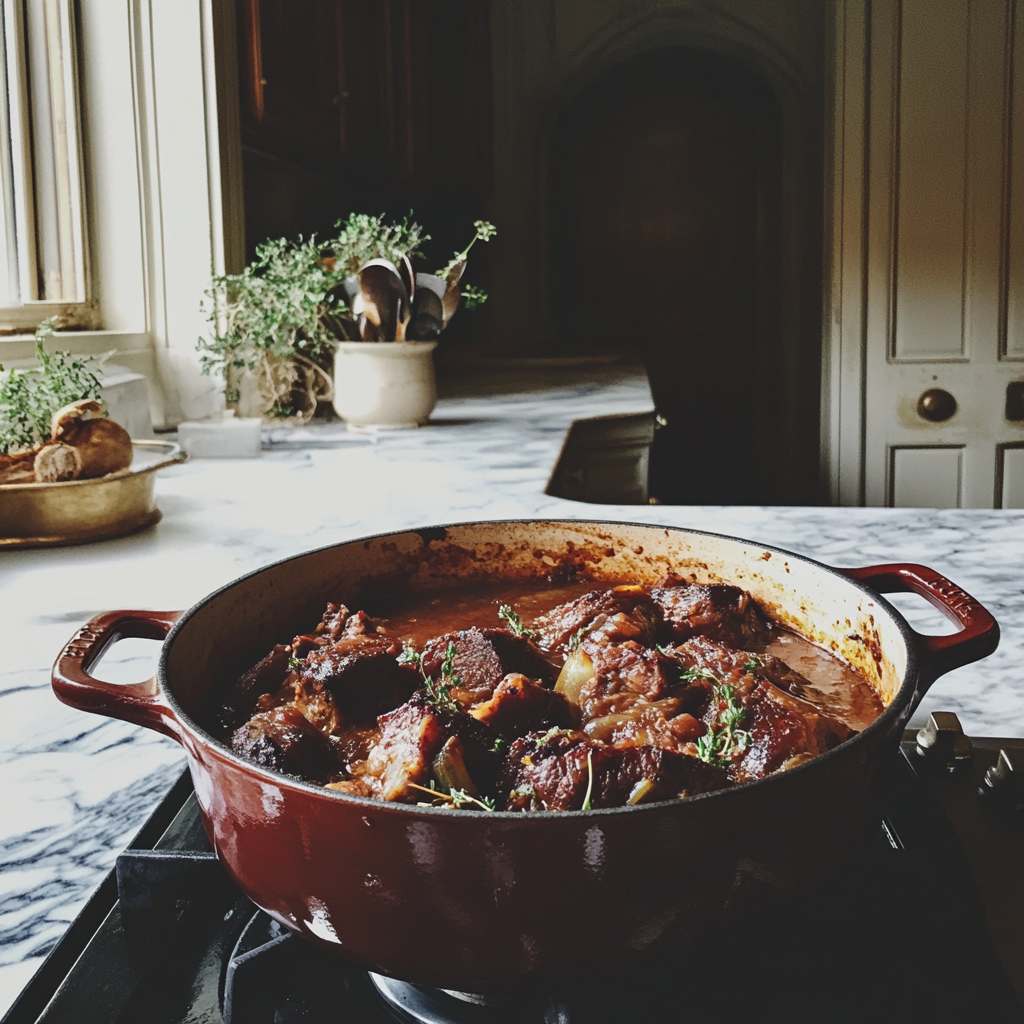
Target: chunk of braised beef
[721, 612]
[738, 668]
[266, 675]
[410, 737]
[362, 675]
[629, 668]
[701, 654]
[283, 738]
[520, 705]
[783, 727]
[483, 657]
[554, 771]
[615, 680]
[239, 700]
[401, 753]
[609, 616]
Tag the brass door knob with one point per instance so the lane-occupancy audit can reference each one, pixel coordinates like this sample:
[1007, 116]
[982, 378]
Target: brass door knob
[936, 405]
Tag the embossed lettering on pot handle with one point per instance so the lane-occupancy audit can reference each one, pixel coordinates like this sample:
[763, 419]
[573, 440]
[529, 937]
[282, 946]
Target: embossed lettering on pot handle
[979, 632]
[141, 703]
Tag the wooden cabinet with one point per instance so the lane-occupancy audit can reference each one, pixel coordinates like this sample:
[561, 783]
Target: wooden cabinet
[394, 92]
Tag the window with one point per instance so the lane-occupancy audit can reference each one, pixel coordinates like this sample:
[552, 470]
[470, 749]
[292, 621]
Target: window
[42, 225]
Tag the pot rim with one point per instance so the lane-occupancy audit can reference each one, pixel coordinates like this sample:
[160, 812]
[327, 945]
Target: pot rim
[882, 723]
[402, 348]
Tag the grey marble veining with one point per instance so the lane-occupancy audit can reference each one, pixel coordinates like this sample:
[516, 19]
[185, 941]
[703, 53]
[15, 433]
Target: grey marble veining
[77, 787]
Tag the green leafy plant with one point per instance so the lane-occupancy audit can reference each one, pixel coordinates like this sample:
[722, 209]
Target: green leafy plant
[269, 320]
[29, 398]
[362, 238]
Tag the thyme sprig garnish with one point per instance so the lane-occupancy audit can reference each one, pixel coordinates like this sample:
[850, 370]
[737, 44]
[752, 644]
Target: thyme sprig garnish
[755, 664]
[457, 798]
[723, 738]
[590, 781]
[439, 693]
[294, 664]
[515, 624]
[577, 638]
[691, 675]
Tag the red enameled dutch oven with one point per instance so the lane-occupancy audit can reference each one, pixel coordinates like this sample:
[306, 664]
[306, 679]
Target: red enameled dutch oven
[478, 901]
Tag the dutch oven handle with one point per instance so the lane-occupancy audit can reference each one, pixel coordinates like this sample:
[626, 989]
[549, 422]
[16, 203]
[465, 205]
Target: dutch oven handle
[140, 703]
[979, 632]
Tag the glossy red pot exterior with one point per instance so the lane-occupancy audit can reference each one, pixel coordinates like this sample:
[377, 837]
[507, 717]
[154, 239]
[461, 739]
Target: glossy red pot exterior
[479, 901]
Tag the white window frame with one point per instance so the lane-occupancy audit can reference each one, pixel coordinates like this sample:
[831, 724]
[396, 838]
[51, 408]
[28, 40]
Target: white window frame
[161, 192]
[55, 61]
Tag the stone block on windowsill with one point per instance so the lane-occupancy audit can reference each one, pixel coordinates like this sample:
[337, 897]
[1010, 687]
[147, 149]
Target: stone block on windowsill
[127, 400]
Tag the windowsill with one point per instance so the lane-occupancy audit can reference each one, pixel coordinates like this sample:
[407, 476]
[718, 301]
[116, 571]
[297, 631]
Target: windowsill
[19, 349]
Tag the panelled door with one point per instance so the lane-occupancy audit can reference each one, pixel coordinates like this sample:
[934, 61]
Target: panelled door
[943, 423]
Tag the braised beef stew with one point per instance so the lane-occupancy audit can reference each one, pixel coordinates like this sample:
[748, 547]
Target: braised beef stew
[554, 698]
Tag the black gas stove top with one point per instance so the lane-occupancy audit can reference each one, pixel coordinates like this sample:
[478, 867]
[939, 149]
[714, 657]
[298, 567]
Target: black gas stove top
[930, 928]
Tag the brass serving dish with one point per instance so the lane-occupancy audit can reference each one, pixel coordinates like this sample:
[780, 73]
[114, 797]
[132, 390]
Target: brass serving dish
[78, 511]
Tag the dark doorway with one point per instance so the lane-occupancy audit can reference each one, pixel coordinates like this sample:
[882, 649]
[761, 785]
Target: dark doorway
[665, 199]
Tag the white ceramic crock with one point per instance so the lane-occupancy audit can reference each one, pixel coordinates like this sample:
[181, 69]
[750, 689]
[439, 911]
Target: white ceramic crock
[384, 385]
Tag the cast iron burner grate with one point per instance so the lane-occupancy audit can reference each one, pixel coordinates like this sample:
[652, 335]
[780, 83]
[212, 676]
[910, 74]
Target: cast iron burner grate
[904, 939]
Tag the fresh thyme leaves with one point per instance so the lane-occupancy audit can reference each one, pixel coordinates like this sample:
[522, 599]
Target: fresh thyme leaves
[663, 650]
[461, 797]
[410, 656]
[577, 638]
[458, 798]
[500, 746]
[590, 781]
[723, 739]
[485, 231]
[755, 664]
[29, 398]
[515, 624]
[447, 665]
[692, 674]
[294, 664]
[438, 693]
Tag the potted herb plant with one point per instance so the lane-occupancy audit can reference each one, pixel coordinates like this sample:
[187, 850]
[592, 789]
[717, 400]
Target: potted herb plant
[357, 294]
[269, 337]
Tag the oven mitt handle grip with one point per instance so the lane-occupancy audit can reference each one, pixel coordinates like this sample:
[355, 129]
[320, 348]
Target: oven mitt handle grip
[141, 703]
[978, 634]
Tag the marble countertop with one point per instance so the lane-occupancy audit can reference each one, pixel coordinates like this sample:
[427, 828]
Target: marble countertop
[77, 787]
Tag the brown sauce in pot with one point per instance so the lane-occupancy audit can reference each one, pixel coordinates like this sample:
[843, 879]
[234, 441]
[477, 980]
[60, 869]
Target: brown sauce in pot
[532, 695]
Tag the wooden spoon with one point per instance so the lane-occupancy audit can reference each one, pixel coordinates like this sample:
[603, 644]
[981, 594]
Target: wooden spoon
[385, 311]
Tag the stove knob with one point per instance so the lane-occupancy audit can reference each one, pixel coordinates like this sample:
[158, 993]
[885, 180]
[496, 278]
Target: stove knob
[942, 742]
[1004, 781]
